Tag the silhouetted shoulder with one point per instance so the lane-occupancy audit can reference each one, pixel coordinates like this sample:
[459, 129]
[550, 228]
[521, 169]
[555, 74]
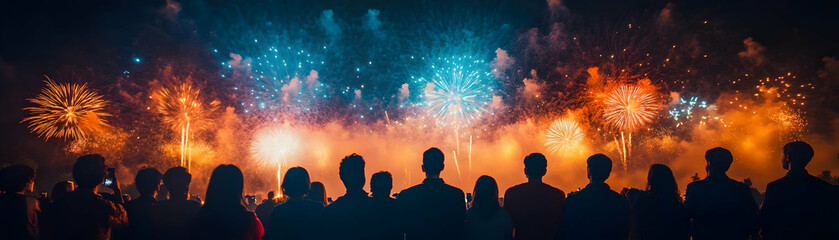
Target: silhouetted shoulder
[453, 189]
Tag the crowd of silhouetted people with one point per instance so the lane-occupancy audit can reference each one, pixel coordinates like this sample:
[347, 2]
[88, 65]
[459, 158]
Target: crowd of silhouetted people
[796, 206]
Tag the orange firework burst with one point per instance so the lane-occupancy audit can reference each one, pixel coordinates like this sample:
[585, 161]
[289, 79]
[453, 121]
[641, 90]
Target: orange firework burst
[563, 135]
[630, 107]
[182, 108]
[66, 111]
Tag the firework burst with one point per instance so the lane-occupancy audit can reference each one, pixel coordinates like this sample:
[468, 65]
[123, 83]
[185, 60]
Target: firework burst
[458, 93]
[273, 146]
[182, 109]
[628, 108]
[66, 111]
[563, 136]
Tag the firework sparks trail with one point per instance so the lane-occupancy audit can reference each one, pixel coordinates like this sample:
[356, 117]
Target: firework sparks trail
[66, 111]
[627, 109]
[563, 136]
[273, 146]
[183, 110]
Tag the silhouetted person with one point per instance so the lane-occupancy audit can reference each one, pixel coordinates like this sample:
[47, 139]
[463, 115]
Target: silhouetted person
[485, 219]
[60, 190]
[596, 212]
[433, 209]
[173, 217]
[755, 193]
[297, 217]
[18, 212]
[385, 214]
[799, 205]
[85, 214]
[139, 209]
[348, 217]
[251, 205]
[317, 193]
[263, 211]
[224, 215]
[720, 207]
[658, 212]
[534, 206]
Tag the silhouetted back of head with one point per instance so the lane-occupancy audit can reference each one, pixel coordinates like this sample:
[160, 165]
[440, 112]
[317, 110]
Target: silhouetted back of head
[535, 166]
[599, 167]
[225, 187]
[797, 154]
[177, 180]
[60, 190]
[718, 160]
[351, 171]
[271, 195]
[147, 181]
[317, 193]
[89, 170]
[296, 182]
[16, 178]
[485, 200]
[660, 181]
[432, 161]
[381, 183]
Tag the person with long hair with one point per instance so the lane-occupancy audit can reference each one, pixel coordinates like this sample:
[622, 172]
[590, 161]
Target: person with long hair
[224, 215]
[659, 212]
[485, 218]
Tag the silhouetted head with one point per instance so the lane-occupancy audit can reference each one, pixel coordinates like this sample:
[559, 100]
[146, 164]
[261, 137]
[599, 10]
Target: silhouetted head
[351, 172]
[60, 190]
[432, 161]
[599, 168]
[271, 195]
[535, 166]
[381, 183]
[296, 182]
[797, 155]
[660, 181]
[318, 193]
[225, 187]
[485, 197]
[718, 160]
[147, 181]
[17, 178]
[177, 180]
[251, 199]
[89, 171]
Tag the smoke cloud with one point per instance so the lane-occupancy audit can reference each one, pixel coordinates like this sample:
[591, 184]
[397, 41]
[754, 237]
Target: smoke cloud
[327, 22]
[754, 52]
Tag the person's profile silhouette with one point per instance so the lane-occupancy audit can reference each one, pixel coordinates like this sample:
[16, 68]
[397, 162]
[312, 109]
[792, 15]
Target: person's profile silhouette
[799, 205]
